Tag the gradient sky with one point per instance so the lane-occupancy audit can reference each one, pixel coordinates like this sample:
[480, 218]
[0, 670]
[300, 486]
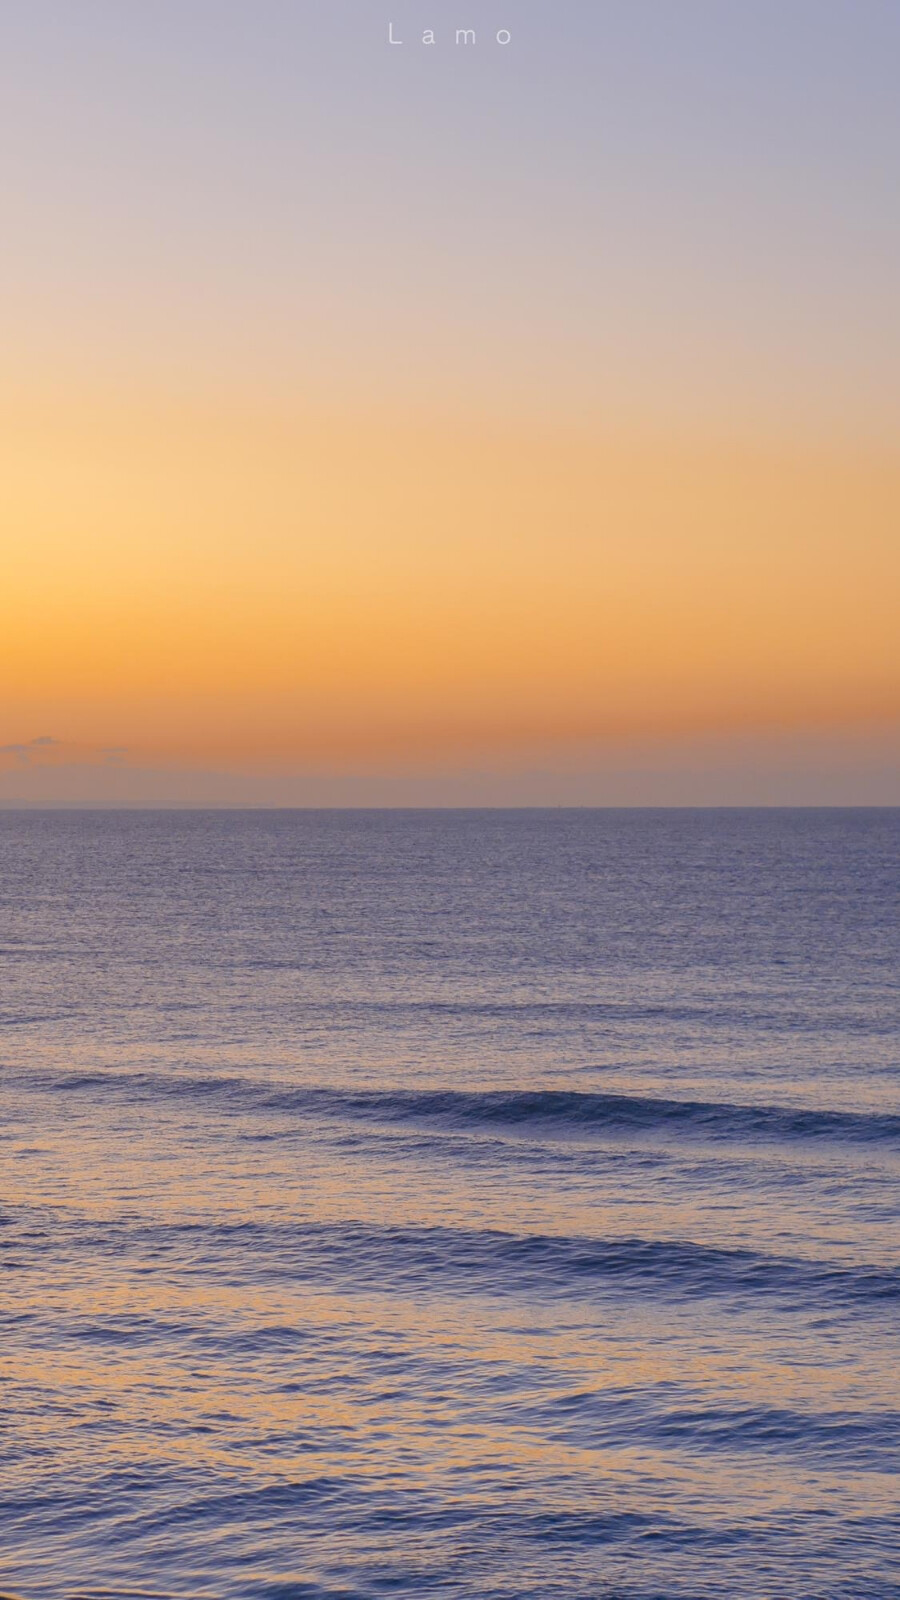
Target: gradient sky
[508, 424]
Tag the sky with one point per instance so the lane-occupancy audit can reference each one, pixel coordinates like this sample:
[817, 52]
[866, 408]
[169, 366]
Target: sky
[507, 422]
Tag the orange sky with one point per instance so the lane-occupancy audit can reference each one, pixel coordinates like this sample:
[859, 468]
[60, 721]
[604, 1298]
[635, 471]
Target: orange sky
[213, 583]
[400, 428]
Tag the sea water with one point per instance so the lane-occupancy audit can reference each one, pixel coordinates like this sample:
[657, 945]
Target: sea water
[465, 1204]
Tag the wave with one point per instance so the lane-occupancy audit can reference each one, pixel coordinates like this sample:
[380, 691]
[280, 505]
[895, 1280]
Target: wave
[862, 1439]
[513, 1263]
[745, 1010]
[560, 1111]
[418, 1260]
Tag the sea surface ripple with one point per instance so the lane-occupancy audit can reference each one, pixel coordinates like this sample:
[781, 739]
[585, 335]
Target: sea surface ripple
[484, 1205]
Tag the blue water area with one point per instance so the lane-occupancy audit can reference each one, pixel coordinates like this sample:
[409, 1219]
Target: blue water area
[467, 1204]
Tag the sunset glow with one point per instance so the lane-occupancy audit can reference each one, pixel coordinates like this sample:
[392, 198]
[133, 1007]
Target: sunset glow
[331, 446]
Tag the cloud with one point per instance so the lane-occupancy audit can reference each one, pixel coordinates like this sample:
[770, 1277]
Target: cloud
[45, 752]
[24, 752]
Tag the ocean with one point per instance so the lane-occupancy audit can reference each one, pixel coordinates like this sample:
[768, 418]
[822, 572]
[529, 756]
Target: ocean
[482, 1205]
